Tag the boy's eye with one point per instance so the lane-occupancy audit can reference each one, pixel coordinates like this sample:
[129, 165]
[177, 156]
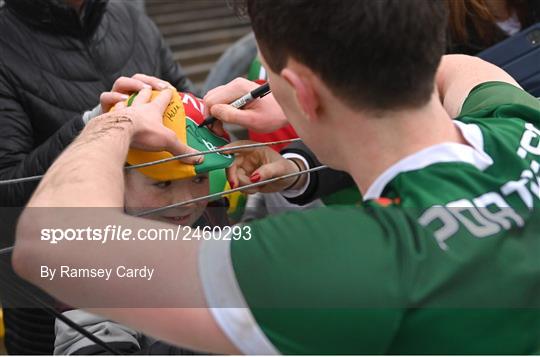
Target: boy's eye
[199, 179]
[163, 184]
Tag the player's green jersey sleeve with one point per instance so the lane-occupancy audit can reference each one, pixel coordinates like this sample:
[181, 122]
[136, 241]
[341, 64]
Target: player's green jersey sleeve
[317, 281]
[501, 100]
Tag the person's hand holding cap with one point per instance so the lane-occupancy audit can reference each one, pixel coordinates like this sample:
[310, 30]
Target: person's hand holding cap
[123, 87]
[149, 133]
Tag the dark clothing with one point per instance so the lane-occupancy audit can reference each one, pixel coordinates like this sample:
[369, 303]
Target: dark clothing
[329, 181]
[54, 64]
[53, 67]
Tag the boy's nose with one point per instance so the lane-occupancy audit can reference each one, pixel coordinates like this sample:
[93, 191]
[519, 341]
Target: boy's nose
[182, 196]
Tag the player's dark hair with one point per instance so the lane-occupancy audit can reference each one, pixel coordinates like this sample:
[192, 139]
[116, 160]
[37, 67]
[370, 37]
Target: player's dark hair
[374, 54]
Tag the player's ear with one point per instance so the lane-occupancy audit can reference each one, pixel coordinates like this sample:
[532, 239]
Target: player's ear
[306, 94]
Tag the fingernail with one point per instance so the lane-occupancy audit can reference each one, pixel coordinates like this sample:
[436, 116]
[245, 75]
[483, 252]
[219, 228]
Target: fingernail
[147, 86]
[255, 178]
[198, 160]
[124, 96]
[163, 85]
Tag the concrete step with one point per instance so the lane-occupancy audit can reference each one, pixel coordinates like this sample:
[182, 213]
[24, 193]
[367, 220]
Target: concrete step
[198, 31]
[198, 72]
[200, 53]
[186, 28]
[206, 38]
[189, 16]
[157, 7]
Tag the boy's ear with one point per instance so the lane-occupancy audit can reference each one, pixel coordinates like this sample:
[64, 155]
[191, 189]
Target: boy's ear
[306, 95]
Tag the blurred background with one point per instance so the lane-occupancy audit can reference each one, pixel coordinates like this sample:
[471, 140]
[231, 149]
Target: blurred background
[198, 32]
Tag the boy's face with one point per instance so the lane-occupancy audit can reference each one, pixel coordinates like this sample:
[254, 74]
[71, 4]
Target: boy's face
[144, 193]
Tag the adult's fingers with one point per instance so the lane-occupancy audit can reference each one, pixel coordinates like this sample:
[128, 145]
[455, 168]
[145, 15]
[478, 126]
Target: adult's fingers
[237, 177]
[217, 128]
[142, 97]
[120, 106]
[154, 82]
[109, 99]
[231, 175]
[242, 176]
[162, 100]
[175, 147]
[233, 171]
[228, 93]
[128, 85]
[229, 114]
[273, 169]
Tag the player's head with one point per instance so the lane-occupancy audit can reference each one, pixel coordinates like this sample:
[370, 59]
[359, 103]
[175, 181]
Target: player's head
[371, 56]
[174, 181]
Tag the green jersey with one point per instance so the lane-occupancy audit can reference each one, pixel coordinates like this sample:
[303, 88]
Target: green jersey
[443, 256]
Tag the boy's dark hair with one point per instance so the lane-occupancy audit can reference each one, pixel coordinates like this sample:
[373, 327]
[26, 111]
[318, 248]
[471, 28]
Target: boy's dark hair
[374, 54]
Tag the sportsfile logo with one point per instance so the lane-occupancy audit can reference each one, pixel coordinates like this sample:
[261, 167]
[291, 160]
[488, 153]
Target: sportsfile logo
[110, 232]
[119, 233]
[475, 216]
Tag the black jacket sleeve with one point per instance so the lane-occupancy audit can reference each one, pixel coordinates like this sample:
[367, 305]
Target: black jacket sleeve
[19, 154]
[321, 183]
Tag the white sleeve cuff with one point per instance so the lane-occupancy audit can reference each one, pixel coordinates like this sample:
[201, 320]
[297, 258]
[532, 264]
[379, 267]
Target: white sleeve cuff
[226, 301]
[91, 114]
[299, 191]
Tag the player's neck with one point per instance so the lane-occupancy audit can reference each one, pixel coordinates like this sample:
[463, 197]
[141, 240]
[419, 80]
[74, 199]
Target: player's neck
[369, 147]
